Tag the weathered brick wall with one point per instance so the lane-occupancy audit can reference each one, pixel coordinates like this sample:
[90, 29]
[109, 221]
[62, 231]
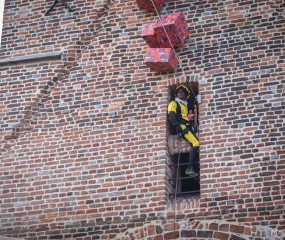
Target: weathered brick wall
[83, 132]
[27, 32]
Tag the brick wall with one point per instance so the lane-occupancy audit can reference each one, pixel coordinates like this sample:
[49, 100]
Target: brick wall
[83, 122]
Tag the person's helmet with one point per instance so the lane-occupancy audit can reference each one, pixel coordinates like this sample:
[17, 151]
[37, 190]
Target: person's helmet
[184, 88]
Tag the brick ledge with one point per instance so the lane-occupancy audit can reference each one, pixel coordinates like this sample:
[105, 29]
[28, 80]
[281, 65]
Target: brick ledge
[29, 58]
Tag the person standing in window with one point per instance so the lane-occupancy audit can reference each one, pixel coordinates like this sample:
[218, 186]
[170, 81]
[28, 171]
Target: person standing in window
[182, 122]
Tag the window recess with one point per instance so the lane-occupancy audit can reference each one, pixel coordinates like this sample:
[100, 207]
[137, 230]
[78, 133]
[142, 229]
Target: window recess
[179, 150]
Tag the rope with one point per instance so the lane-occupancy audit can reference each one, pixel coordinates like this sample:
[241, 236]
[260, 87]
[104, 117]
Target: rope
[192, 91]
[165, 30]
[179, 62]
[176, 185]
[180, 65]
[176, 55]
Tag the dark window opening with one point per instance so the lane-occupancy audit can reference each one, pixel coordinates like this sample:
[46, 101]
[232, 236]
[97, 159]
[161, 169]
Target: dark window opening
[181, 183]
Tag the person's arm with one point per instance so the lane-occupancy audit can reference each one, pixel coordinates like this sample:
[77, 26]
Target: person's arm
[173, 117]
[172, 110]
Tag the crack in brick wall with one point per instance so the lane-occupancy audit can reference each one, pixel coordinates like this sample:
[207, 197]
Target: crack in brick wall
[71, 53]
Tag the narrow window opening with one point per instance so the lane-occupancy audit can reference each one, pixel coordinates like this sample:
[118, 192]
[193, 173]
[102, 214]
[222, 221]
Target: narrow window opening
[185, 184]
[179, 149]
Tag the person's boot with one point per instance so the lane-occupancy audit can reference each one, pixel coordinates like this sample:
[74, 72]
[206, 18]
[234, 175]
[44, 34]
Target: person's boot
[192, 156]
[191, 172]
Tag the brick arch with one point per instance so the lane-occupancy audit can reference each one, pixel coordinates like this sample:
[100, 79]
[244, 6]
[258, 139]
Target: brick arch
[196, 230]
[221, 229]
[210, 234]
[151, 230]
[202, 229]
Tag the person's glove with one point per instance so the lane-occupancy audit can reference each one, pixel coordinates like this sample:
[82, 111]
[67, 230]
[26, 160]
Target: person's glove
[178, 129]
[191, 116]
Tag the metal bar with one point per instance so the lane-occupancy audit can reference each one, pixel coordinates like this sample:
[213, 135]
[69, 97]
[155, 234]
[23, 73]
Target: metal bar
[64, 4]
[181, 178]
[181, 164]
[184, 193]
[47, 12]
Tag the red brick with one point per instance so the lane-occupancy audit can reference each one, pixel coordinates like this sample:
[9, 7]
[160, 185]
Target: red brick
[220, 235]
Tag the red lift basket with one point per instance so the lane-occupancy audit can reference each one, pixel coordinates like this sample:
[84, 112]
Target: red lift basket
[161, 59]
